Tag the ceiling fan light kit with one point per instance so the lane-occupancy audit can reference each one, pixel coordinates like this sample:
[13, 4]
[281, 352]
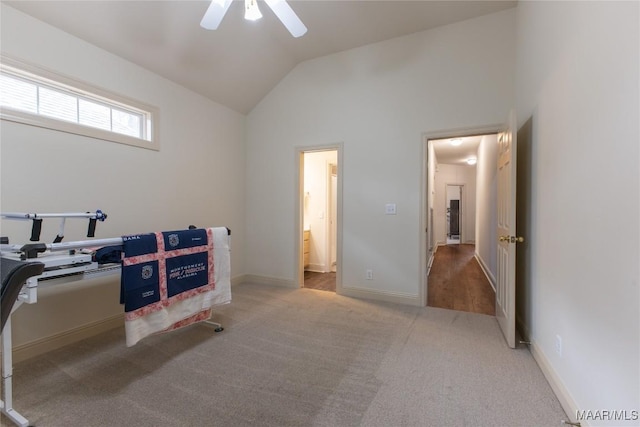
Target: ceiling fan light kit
[218, 9]
[251, 10]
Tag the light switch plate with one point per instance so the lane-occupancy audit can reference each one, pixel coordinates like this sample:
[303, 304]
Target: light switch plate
[390, 209]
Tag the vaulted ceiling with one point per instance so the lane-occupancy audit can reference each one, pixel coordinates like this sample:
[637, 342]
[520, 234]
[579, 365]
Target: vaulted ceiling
[240, 62]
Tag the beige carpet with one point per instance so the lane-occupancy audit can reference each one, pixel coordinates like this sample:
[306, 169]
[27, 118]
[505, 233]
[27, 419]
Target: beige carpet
[294, 358]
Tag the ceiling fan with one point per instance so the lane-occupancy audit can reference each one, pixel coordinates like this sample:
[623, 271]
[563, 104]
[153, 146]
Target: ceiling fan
[218, 8]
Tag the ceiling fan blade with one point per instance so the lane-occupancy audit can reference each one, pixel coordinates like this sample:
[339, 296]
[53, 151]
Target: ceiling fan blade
[287, 16]
[214, 14]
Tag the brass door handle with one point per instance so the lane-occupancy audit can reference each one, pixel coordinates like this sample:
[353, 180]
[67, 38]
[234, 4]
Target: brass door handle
[511, 239]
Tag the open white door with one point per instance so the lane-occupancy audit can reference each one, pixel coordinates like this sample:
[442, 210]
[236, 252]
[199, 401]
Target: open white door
[506, 278]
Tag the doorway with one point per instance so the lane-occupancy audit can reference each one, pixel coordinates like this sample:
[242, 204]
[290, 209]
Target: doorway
[319, 227]
[459, 207]
[454, 217]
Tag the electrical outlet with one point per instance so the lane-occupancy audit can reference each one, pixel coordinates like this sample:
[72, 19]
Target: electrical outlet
[559, 345]
[369, 274]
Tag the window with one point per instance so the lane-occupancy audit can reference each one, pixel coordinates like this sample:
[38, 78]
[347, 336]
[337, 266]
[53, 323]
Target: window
[41, 98]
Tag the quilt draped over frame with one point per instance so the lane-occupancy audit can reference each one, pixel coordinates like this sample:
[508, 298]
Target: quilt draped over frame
[172, 279]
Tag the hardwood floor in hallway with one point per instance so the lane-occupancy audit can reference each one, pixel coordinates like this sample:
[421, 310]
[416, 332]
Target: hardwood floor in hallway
[457, 282]
[320, 281]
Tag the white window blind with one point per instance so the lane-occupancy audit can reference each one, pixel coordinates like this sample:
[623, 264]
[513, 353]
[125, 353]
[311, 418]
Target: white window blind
[57, 103]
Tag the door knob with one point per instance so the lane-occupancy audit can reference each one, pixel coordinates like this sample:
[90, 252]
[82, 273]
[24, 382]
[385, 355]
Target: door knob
[511, 239]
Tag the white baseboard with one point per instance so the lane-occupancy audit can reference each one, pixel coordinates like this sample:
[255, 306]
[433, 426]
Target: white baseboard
[430, 262]
[46, 344]
[487, 273]
[317, 268]
[236, 280]
[267, 280]
[566, 400]
[395, 297]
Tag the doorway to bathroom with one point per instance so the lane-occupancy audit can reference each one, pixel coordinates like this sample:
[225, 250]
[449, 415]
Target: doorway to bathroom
[319, 225]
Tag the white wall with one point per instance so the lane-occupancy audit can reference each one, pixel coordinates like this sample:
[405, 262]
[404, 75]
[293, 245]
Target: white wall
[578, 79]
[196, 178]
[487, 205]
[316, 208]
[378, 100]
[464, 175]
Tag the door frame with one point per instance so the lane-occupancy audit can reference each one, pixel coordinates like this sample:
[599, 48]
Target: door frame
[423, 231]
[332, 198]
[298, 198]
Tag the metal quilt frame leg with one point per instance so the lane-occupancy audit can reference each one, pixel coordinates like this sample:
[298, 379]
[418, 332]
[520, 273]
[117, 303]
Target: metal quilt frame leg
[6, 404]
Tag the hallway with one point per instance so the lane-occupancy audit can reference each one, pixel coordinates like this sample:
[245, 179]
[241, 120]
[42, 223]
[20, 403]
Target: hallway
[456, 281]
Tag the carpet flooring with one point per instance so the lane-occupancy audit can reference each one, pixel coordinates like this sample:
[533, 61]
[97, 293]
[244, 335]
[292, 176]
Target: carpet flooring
[294, 357]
